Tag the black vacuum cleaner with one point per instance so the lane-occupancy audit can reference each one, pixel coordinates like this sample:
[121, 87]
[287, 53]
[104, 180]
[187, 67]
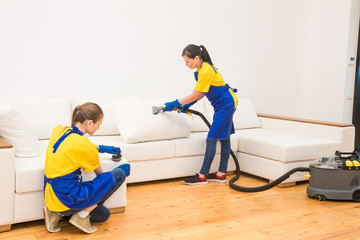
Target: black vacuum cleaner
[336, 177]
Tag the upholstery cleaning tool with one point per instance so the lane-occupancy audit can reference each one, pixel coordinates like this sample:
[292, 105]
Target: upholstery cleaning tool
[116, 157]
[156, 110]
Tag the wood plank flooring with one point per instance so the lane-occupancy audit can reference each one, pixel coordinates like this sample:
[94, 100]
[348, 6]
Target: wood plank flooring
[171, 210]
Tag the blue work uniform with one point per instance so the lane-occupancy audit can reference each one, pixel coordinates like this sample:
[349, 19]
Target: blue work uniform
[222, 98]
[64, 188]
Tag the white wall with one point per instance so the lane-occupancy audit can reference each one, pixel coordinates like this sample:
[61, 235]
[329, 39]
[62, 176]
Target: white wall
[288, 56]
[331, 40]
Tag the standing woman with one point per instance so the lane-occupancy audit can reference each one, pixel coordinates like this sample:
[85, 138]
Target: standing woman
[65, 192]
[211, 84]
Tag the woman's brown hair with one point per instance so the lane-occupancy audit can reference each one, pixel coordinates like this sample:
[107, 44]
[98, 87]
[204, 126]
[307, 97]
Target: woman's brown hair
[86, 111]
[191, 51]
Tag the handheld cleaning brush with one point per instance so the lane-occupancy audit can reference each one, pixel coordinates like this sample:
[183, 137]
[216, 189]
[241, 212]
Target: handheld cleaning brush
[116, 157]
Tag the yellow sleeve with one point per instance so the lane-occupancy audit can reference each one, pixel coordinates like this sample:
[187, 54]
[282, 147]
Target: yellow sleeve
[86, 155]
[205, 78]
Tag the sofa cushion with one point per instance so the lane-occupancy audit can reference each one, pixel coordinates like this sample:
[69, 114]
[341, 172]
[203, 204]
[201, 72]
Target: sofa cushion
[195, 122]
[283, 147]
[108, 126]
[16, 130]
[143, 151]
[137, 123]
[43, 114]
[195, 144]
[244, 117]
[30, 171]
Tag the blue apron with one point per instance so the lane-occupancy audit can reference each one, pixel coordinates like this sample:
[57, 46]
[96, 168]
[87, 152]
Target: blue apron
[78, 195]
[72, 191]
[224, 107]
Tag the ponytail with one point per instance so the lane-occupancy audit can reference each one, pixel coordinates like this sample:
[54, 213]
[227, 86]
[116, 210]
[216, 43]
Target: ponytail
[86, 111]
[191, 51]
[205, 55]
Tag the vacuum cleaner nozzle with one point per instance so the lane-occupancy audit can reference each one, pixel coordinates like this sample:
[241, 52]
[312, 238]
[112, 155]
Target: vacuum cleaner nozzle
[156, 109]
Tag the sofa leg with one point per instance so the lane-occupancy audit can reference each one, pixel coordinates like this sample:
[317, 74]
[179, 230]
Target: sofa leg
[5, 228]
[285, 185]
[117, 210]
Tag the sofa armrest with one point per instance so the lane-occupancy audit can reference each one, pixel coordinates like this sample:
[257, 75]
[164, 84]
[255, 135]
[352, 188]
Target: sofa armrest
[341, 132]
[303, 120]
[7, 182]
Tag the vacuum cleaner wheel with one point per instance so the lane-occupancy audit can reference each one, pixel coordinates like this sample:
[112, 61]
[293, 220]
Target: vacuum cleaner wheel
[320, 197]
[356, 196]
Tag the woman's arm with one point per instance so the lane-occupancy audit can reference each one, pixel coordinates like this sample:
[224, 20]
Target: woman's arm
[99, 170]
[194, 96]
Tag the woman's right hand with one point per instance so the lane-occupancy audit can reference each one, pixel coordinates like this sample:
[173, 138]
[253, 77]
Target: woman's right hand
[126, 168]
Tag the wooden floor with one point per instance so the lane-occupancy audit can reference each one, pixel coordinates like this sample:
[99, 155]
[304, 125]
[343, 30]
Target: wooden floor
[172, 210]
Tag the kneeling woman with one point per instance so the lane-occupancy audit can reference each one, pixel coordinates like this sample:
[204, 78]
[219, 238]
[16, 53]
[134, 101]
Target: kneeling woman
[65, 192]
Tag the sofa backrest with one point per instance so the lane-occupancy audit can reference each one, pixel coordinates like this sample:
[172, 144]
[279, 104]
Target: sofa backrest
[42, 114]
[195, 122]
[107, 104]
[245, 115]
[137, 122]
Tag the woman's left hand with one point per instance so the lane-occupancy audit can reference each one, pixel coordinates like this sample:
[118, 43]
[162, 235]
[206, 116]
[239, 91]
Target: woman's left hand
[109, 149]
[169, 106]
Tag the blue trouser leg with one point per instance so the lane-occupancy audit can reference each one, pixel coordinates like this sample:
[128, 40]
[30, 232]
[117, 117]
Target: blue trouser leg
[119, 177]
[225, 154]
[101, 213]
[209, 155]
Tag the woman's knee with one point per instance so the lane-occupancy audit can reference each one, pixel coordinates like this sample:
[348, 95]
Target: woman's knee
[211, 141]
[100, 214]
[118, 174]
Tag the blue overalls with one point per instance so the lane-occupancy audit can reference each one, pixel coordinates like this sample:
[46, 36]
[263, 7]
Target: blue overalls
[78, 195]
[72, 191]
[224, 107]
[222, 126]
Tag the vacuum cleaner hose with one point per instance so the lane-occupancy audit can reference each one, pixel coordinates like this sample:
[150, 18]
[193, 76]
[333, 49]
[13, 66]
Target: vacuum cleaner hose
[237, 170]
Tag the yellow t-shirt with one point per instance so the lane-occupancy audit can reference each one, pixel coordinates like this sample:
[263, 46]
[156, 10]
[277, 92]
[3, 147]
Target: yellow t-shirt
[74, 152]
[209, 76]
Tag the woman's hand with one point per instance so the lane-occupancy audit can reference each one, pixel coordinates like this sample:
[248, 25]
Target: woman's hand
[109, 149]
[126, 168]
[169, 106]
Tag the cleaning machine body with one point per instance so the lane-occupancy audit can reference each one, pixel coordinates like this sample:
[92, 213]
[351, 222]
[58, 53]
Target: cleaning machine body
[335, 178]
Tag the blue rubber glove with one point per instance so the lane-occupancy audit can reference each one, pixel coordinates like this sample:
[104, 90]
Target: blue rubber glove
[169, 106]
[126, 168]
[109, 149]
[187, 106]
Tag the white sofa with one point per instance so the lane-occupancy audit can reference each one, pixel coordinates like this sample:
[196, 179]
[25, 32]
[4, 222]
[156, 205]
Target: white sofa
[166, 145]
